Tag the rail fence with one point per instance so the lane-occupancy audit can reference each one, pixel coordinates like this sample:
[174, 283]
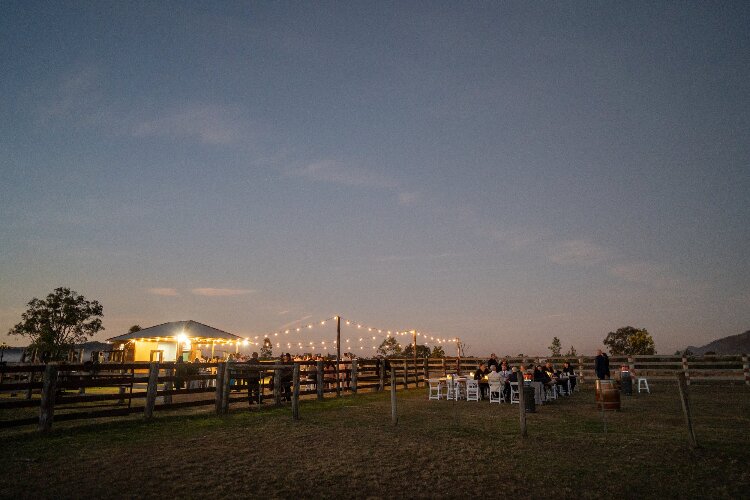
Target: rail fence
[38, 394]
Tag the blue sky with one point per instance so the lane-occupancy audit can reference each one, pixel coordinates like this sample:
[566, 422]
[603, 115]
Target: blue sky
[504, 172]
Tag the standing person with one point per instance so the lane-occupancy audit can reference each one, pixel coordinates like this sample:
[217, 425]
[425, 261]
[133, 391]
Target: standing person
[601, 365]
[254, 395]
[493, 361]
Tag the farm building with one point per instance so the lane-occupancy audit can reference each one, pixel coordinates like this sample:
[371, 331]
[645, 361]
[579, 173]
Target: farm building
[178, 339]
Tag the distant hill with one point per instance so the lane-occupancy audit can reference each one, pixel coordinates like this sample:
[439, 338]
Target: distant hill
[734, 344]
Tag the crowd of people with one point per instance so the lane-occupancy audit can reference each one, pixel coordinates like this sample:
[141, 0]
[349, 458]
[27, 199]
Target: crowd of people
[496, 372]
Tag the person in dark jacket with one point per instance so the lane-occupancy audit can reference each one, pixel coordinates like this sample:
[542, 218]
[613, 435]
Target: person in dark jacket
[570, 371]
[601, 365]
[287, 376]
[254, 394]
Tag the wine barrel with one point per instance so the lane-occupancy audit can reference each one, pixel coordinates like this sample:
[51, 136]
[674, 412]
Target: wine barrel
[607, 395]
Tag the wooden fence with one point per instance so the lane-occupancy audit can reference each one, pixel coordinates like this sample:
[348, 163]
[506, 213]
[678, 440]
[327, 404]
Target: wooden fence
[656, 367]
[38, 394]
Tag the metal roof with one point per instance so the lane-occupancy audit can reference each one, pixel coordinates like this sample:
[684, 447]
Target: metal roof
[191, 329]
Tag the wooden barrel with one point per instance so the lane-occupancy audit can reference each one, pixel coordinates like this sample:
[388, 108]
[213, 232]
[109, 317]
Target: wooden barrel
[607, 395]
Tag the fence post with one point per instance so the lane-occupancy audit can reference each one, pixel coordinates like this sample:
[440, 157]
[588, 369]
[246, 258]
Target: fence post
[381, 375]
[29, 390]
[406, 375]
[685, 369]
[295, 393]
[47, 406]
[682, 386]
[746, 369]
[426, 369]
[277, 387]
[225, 387]
[394, 413]
[580, 364]
[521, 404]
[631, 365]
[220, 387]
[153, 382]
[319, 381]
[354, 376]
[445, 371]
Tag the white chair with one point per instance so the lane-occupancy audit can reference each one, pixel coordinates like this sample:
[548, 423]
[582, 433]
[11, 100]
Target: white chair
[435, 389]
[450, 385]
[459, 389]
[514, 392]
[496, 393]
[642, 382]
[472, 390]
[550, 392]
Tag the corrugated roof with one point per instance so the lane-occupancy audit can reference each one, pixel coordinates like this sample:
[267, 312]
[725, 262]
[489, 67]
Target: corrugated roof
[191, 329]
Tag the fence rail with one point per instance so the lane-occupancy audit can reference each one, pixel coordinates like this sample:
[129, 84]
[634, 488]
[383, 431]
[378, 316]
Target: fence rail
[40, 394]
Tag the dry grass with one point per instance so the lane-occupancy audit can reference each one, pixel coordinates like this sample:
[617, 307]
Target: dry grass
[348, 448]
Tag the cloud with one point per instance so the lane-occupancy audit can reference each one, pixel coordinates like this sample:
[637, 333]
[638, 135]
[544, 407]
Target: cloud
[220, 292]
[339, 173]
[409, 198]
[516, 238]
[166, 292]
[77, 94]
[578, 252]
[209, 123]
[406, 258]
[644, 273]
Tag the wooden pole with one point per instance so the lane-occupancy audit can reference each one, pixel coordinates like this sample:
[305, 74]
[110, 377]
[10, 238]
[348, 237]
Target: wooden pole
[220, 387]
[746, 369]
[445, 371]
[47, 405]
[354, 376]
[426, 369]
[521, 403]
[338, 356]
[153, 382]
[277, 387]
[406, 375]
[225, 387]
[381, 375]
[295, 393]
[319, 381]
[682, 385]
[394, 412]
[685, 369]
[29, 390]
[416, 375]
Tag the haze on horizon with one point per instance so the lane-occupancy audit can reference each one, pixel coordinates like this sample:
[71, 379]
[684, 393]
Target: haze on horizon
[504, 172]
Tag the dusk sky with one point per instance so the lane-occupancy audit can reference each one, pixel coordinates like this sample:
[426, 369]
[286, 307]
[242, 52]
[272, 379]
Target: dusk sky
[504, 172]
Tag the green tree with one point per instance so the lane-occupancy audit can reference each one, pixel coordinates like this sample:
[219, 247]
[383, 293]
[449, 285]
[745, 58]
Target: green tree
[437, 352]
[630, 341]
[135, 328]
[422, 351]
[555, 347]
[390, 348]
[571, 352]
[266, 352]
[61, 320]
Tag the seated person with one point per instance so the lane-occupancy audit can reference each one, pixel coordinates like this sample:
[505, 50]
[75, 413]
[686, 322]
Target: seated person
[571, 373]
[494, 379]
[542, 376]
[504, 370]
[479, 375]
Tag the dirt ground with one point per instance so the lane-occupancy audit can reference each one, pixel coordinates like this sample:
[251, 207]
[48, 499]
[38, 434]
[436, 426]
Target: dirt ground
[348, 448]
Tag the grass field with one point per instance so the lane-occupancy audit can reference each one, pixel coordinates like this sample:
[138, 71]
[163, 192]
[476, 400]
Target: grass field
[348, 448]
